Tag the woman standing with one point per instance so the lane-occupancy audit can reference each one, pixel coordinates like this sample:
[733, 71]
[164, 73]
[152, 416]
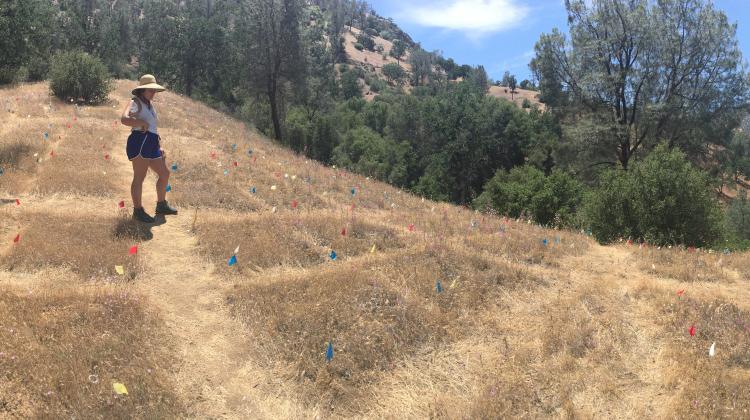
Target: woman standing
[143, 148]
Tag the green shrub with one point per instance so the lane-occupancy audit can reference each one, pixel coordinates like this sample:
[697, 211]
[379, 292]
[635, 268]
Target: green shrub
[367, 152]
[350, 85]
[394, 73]
[662, 199]
[359, 46]
[526, 103]
[377, 85]
[525, 191]
[78, 76]
[371, 31]
[367, 41]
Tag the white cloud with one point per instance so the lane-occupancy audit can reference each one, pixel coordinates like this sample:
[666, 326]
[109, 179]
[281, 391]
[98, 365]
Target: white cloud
[475, 17]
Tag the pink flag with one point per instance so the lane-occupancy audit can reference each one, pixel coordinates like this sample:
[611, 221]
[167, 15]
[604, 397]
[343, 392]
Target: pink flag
[121, 204]
[692, 330]
[133, 250]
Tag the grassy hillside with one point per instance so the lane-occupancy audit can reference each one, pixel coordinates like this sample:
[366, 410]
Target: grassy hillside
[432, 310]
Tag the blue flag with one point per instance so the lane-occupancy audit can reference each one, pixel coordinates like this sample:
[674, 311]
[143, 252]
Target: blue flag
[234, 147]
[169, 188]
[439, 287]
[174, 167]
[544, 242]
[354, 191]
[232, 260]
[226, 172]
[46, 136]
[1, 170]
[250, 151]
[329, 352]
[252, 190]
[333, 255]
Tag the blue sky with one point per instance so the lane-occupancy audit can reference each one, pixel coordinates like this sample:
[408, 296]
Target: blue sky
[500, 34]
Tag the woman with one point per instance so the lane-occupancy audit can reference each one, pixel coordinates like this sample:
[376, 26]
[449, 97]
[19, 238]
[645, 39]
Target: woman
[143, 148]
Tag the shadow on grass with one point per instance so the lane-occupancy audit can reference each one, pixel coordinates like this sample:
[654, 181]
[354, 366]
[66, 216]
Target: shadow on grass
[133, 229]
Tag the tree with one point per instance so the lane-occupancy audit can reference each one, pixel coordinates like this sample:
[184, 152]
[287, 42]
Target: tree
[421, 66]
[366, 41]
[480, 79]
[398, 50]
[394, 73]
[350, 85]
[638, 71]
[526, 84]
[663, 199]
[506, 79]
[25, 37]
[512, 86]
[271, 50]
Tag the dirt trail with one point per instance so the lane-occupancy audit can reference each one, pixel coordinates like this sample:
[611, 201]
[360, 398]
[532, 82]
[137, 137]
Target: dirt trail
[216, 375]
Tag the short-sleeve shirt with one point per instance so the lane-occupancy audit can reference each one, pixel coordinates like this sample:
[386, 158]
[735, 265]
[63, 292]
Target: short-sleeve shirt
[148, 114]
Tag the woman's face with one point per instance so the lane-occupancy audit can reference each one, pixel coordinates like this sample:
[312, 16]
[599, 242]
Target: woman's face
[149, 94]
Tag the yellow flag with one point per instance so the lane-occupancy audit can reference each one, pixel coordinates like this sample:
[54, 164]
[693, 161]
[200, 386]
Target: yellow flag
[120, 388]
[372, 250]
[120, 270]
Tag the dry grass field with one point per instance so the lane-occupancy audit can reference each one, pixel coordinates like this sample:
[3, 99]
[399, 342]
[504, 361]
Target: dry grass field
[432, 311]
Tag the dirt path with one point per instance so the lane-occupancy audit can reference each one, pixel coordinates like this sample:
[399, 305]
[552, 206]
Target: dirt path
[216, 375]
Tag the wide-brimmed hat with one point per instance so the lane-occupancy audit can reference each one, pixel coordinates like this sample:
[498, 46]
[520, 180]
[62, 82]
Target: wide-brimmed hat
[148, 81]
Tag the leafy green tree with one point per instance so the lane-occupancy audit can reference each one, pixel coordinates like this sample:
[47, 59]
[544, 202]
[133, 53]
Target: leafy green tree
[525, 190]
[26, 29]
[512, 86]
[394, 73]
[639, 71]
[271, 51]
[421, 66]
[480, 79]
[366, 152]
[350, 87]
[662, 199]
[398, 50]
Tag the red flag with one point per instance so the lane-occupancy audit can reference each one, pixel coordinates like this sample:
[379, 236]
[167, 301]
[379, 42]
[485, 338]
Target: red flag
[343, 232]
[692, 330]
[52, 153]
[294, 204]
[353, 206]
[106, 157]
[133, 250]
[213, 155]
[121, 204]
[18, 202]
[235, 163]
[255, 158]
[411, 227]
[68, 125]
[17, 238]
[680, 292]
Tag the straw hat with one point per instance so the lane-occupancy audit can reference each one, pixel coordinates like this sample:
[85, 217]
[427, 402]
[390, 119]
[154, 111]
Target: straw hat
[148, 82]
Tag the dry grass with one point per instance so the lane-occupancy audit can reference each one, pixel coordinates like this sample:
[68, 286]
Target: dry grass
[377, 312]
[62, 351]
[89, 247]
[708, 387]
[682, 265]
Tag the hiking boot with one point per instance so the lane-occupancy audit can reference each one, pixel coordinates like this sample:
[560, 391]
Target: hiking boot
[163, 208]
[141, 215]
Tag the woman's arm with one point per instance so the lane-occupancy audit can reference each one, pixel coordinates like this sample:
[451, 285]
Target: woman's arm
[130, 121]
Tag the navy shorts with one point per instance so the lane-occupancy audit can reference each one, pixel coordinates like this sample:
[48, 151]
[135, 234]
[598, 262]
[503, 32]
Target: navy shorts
[144, 144]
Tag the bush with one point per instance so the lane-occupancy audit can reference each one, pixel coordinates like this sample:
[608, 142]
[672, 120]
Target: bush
[371, 31]
[79, 76]
[367, 41]
[377, 85]
[525, 191]
[662, 199]
[359, 46]
[526, 103]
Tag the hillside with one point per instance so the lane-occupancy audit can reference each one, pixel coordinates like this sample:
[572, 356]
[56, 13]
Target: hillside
[431, 310]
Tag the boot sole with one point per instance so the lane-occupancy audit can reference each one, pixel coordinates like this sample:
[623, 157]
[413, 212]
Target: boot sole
[158, 213]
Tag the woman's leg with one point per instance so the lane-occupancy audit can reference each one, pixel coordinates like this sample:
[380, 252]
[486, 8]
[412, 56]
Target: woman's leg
[160, 167]
[140, 169]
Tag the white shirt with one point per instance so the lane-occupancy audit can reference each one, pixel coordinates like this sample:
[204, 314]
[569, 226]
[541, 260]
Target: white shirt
[147, 114]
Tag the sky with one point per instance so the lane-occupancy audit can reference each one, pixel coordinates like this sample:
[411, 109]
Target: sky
[500, 34]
